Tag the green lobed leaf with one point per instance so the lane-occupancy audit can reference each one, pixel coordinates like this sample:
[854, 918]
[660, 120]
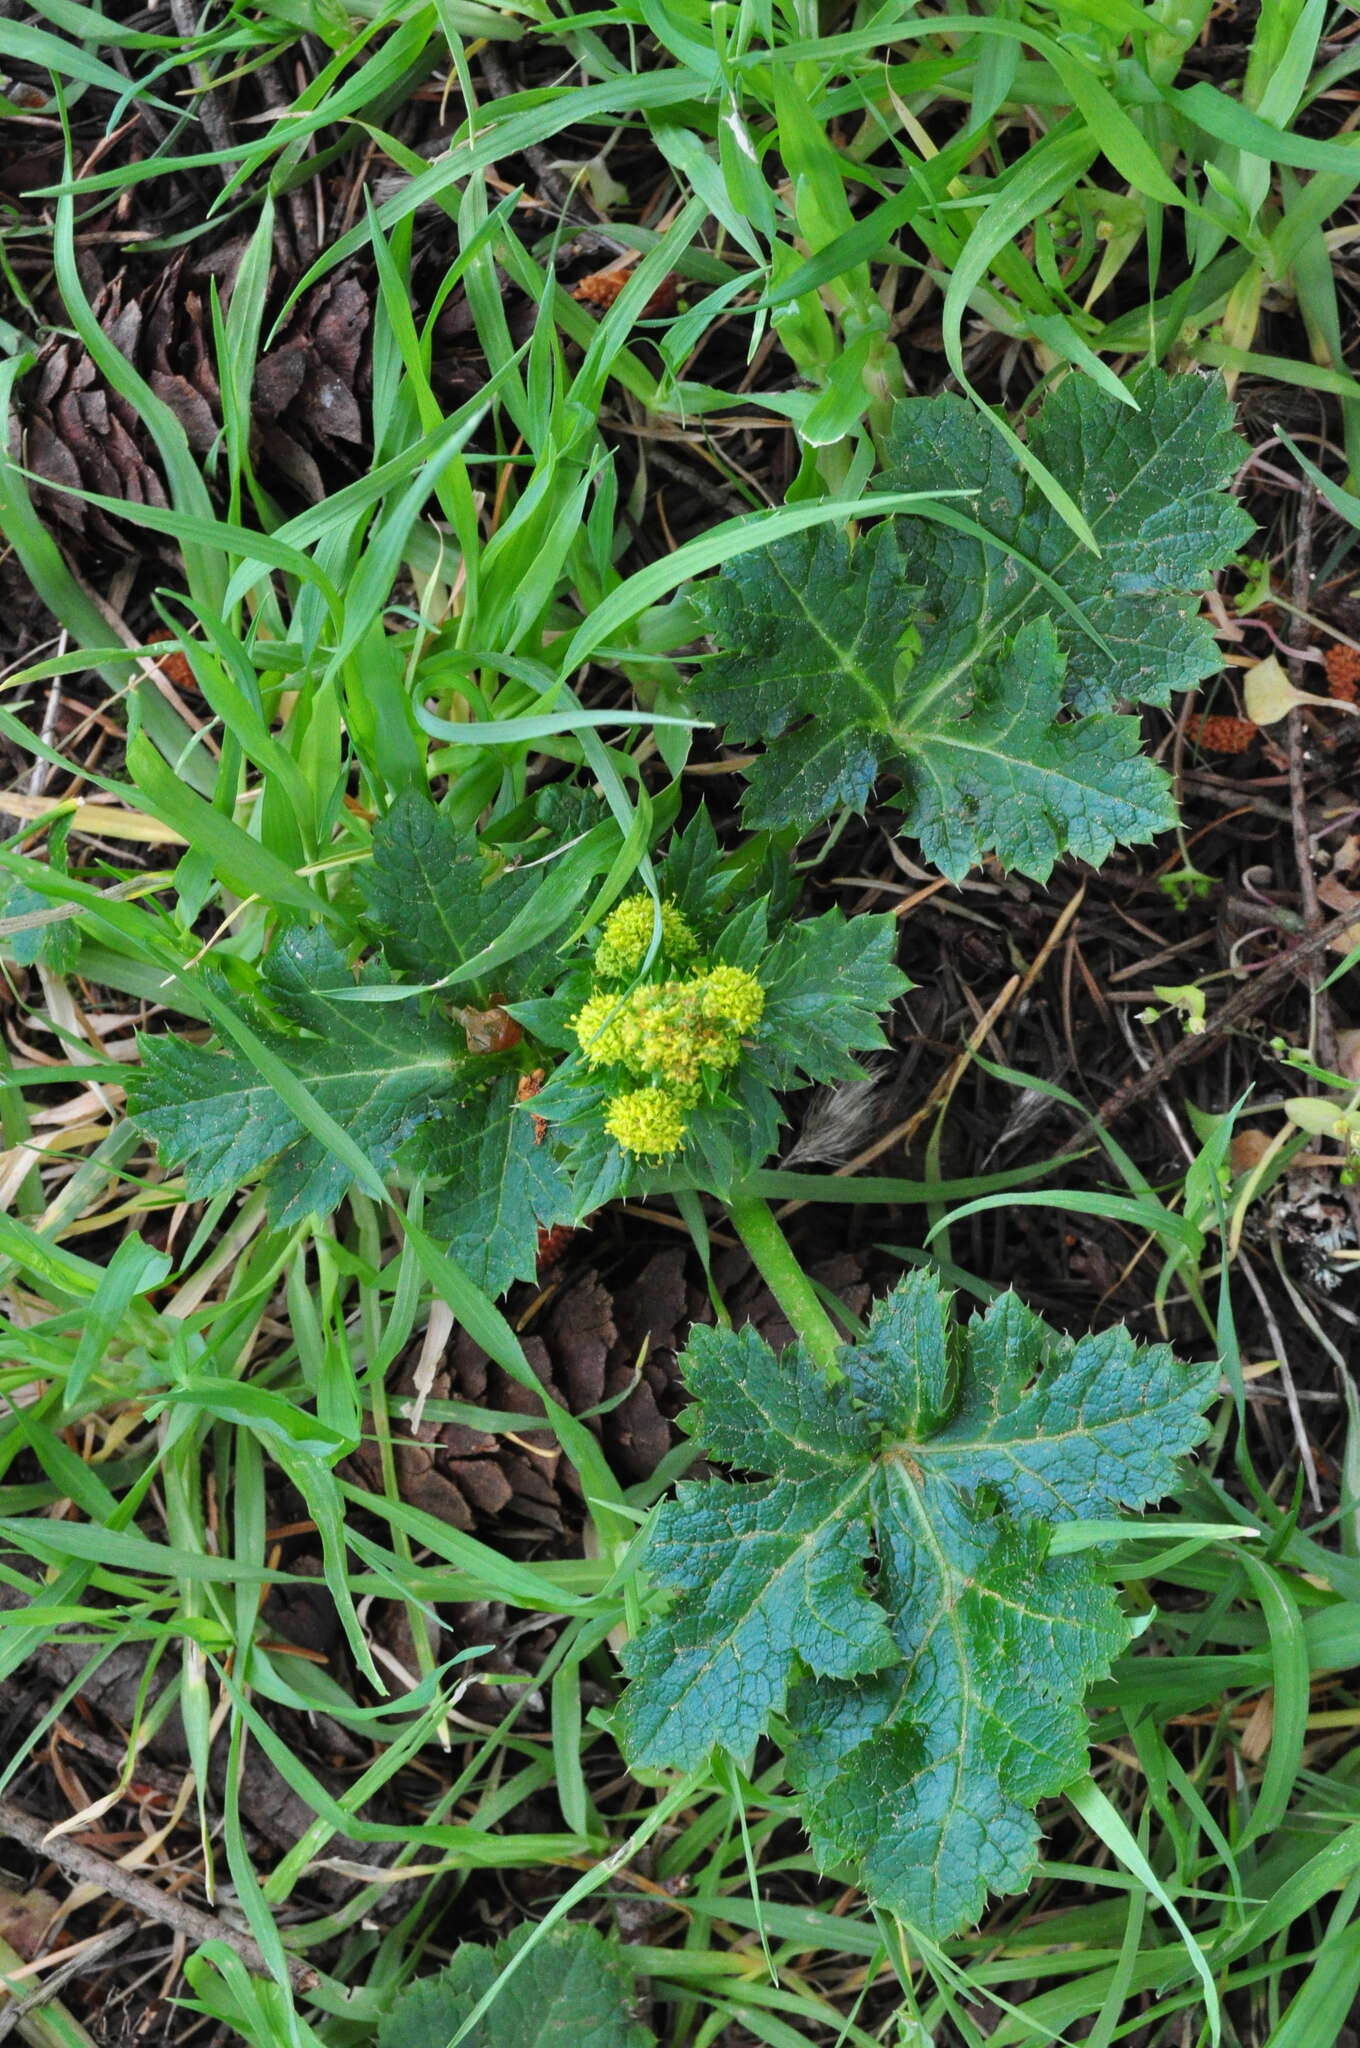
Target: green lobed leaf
[887, 1590]
[431, 896]
[572, 1990]
[378, 1072]
[779, 1565]
[500, 1183]
[983, 674]
[1018, 779]
[429, 2013]
[828, 980]
[1151, 485]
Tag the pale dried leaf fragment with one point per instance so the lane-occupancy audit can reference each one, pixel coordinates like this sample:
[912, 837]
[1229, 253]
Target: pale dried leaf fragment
[1269, 695]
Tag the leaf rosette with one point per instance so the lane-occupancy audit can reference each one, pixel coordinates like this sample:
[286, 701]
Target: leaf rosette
[437, 1055]
[677, 1075]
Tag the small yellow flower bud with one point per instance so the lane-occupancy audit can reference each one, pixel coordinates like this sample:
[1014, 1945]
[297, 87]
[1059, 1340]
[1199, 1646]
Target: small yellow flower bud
[732, 996]
[600, 1030]
[628, 933]
[649, 1121]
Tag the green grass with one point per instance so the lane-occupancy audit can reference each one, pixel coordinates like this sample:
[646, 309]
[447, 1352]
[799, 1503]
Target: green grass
[855, 203]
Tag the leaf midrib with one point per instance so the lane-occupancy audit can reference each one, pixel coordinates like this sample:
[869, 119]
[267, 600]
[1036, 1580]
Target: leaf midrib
[905, 1489]
[840, 656]
[328, 1077]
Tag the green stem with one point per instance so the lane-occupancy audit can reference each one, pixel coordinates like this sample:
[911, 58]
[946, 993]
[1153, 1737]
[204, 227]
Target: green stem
[755, 1225]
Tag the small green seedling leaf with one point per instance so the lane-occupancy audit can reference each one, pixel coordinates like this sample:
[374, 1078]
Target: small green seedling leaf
[887, 1590]
[1187, 998]
[984, 674]
[573, 1990]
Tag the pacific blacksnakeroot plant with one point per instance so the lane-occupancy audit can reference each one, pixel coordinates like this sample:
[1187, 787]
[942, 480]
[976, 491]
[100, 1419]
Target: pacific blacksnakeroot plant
[885, 1596]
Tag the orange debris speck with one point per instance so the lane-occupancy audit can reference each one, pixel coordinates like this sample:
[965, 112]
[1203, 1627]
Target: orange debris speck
[1343, 672]
[1219, 734]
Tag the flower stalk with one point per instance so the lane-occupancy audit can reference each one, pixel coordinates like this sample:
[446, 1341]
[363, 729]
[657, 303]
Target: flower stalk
[755, 1224]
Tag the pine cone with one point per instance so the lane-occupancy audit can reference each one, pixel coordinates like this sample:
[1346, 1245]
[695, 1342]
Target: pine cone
[81, 435]
[304, 395]
[606, 1355]
[77, 431]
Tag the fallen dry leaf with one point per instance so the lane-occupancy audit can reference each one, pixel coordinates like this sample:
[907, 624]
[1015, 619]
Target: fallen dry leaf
[1332, 892]
[25, 1918]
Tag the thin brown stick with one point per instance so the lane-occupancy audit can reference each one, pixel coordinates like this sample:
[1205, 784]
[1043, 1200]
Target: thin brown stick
[211, 111]
[1238, 1008]
[1322, 1020]
[554, 188]
[141, 1894]
[1324, 1045]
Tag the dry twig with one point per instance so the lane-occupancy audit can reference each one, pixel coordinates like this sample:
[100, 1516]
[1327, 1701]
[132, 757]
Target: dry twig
[1238, 1008]
[141, 1894]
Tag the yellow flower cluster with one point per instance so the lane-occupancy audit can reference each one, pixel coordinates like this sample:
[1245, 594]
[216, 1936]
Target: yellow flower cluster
[628, 933]
[646, 1120]
[667, 1035]
[733, 998]
[601, 1030]
[672, 1031]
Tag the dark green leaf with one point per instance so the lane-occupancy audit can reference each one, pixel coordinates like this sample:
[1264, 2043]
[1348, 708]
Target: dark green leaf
[969, 669]
[828, 981]
[779, 1566]
[572, 1991]
[378, 1071]
[1151, 485]
[1019, 779]
[693, 876]
[732, 1134]
[887, 1589]
[500, 1183]
[432, 897]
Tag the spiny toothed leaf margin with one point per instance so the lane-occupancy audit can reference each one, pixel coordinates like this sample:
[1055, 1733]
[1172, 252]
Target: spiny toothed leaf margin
[944, 660]
[378, 1070]
[886, 1591]
[396, 1076]
[497, 1182]
[574, 1990]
